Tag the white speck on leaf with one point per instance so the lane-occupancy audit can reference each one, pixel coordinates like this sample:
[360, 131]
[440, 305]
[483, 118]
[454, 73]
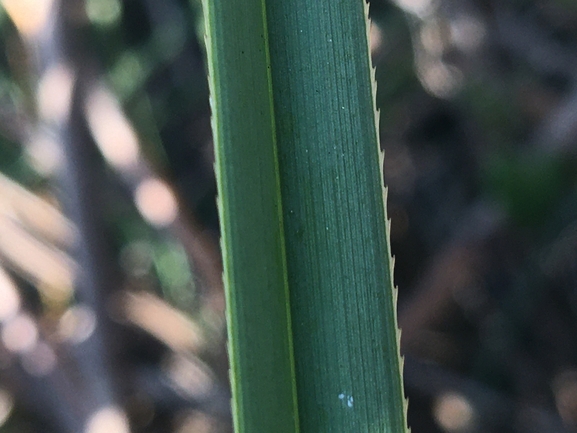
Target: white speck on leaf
[347, 399]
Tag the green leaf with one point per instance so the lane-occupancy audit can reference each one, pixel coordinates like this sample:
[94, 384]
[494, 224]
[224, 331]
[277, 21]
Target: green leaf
[260, 349]
[303, 218]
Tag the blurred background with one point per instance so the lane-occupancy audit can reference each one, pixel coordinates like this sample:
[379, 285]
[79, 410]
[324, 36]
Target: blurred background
[111, 302]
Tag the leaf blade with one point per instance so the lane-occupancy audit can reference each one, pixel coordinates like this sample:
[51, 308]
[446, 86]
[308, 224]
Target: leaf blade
[338, 255]
[258, 318]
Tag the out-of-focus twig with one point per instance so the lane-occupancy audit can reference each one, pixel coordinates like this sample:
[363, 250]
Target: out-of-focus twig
[50, 269]
[37, 214]
[163, 321]
[47, 31]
